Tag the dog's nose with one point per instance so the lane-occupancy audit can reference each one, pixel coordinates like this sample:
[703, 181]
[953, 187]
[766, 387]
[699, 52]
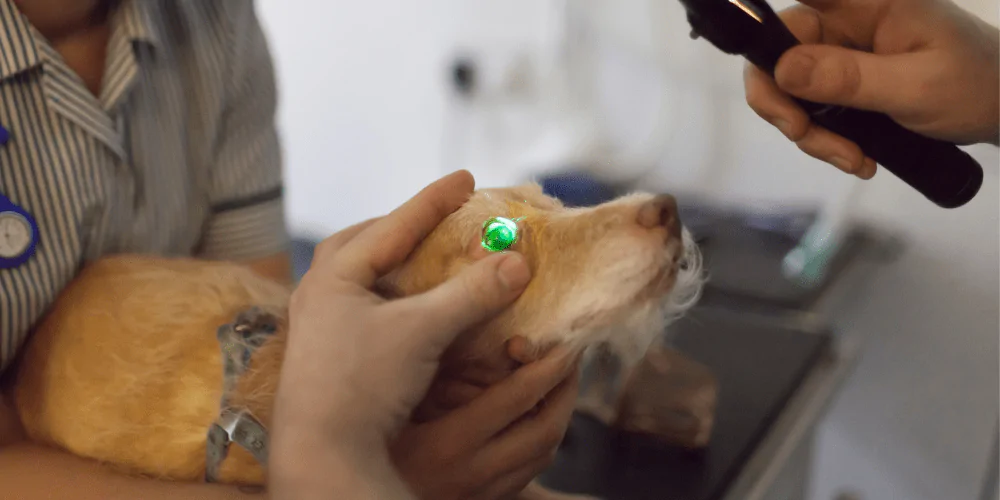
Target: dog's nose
[661, 211]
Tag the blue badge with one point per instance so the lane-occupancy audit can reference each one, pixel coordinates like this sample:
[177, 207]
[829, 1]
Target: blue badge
[18, 230]
[18, 234]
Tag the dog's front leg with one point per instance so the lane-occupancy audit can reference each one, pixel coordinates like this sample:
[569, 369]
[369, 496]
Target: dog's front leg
[671, 397]
[603, 383]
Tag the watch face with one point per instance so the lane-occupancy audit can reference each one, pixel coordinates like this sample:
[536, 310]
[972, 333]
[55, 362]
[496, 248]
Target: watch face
[15, 235]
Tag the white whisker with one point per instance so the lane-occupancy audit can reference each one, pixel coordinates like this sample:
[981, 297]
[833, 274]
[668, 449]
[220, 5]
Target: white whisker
[689, 282]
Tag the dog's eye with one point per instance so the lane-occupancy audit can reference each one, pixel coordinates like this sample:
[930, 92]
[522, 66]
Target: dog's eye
[499, 233]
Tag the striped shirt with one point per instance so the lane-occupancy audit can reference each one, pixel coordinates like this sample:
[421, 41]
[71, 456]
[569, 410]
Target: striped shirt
[178, 155]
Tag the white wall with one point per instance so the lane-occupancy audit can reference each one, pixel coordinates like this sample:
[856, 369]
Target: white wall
[361, 105]
[364, 114]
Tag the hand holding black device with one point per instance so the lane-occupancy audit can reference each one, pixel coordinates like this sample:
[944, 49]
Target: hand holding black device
[937, 169]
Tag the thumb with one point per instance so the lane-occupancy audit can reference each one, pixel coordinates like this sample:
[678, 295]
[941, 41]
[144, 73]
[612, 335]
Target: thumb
[478, 293]
[836, 75]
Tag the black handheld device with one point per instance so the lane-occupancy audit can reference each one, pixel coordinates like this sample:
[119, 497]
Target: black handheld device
[937, 169]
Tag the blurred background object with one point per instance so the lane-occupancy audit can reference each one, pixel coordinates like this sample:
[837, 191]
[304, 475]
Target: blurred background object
[595, 98]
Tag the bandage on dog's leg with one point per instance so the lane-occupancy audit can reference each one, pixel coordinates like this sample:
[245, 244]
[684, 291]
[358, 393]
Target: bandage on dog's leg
[232, 360]
[252, 436]
[238, 340]
[216, 450]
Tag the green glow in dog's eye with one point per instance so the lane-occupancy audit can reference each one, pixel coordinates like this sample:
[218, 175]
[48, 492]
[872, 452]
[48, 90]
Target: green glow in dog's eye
[499, 233]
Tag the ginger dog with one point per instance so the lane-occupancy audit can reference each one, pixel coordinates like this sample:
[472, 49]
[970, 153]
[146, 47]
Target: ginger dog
[128, 368]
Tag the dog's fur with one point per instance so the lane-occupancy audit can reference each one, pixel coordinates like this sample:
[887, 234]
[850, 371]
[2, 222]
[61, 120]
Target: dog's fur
[126, 368]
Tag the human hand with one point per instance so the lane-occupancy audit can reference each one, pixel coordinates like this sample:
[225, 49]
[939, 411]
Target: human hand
[373, 359]
[928, 64]
[488, 449]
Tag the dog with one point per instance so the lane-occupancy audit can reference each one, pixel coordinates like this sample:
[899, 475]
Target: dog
[140, 354]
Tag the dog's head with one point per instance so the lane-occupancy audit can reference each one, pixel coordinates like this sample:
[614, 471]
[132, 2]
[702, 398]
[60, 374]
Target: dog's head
[613, 274]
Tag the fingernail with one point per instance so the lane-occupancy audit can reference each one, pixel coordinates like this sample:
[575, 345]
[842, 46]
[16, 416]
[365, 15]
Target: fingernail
[513, 272]
[796, 71]
[783, 126]
[868, 169]
[842, 164]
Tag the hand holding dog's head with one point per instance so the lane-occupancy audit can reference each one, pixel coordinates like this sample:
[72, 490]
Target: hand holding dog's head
[337, 321]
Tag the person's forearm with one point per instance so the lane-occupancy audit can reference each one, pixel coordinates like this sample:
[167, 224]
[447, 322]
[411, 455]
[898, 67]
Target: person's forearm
[301, 470]
[29, 471]
[336, 477]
